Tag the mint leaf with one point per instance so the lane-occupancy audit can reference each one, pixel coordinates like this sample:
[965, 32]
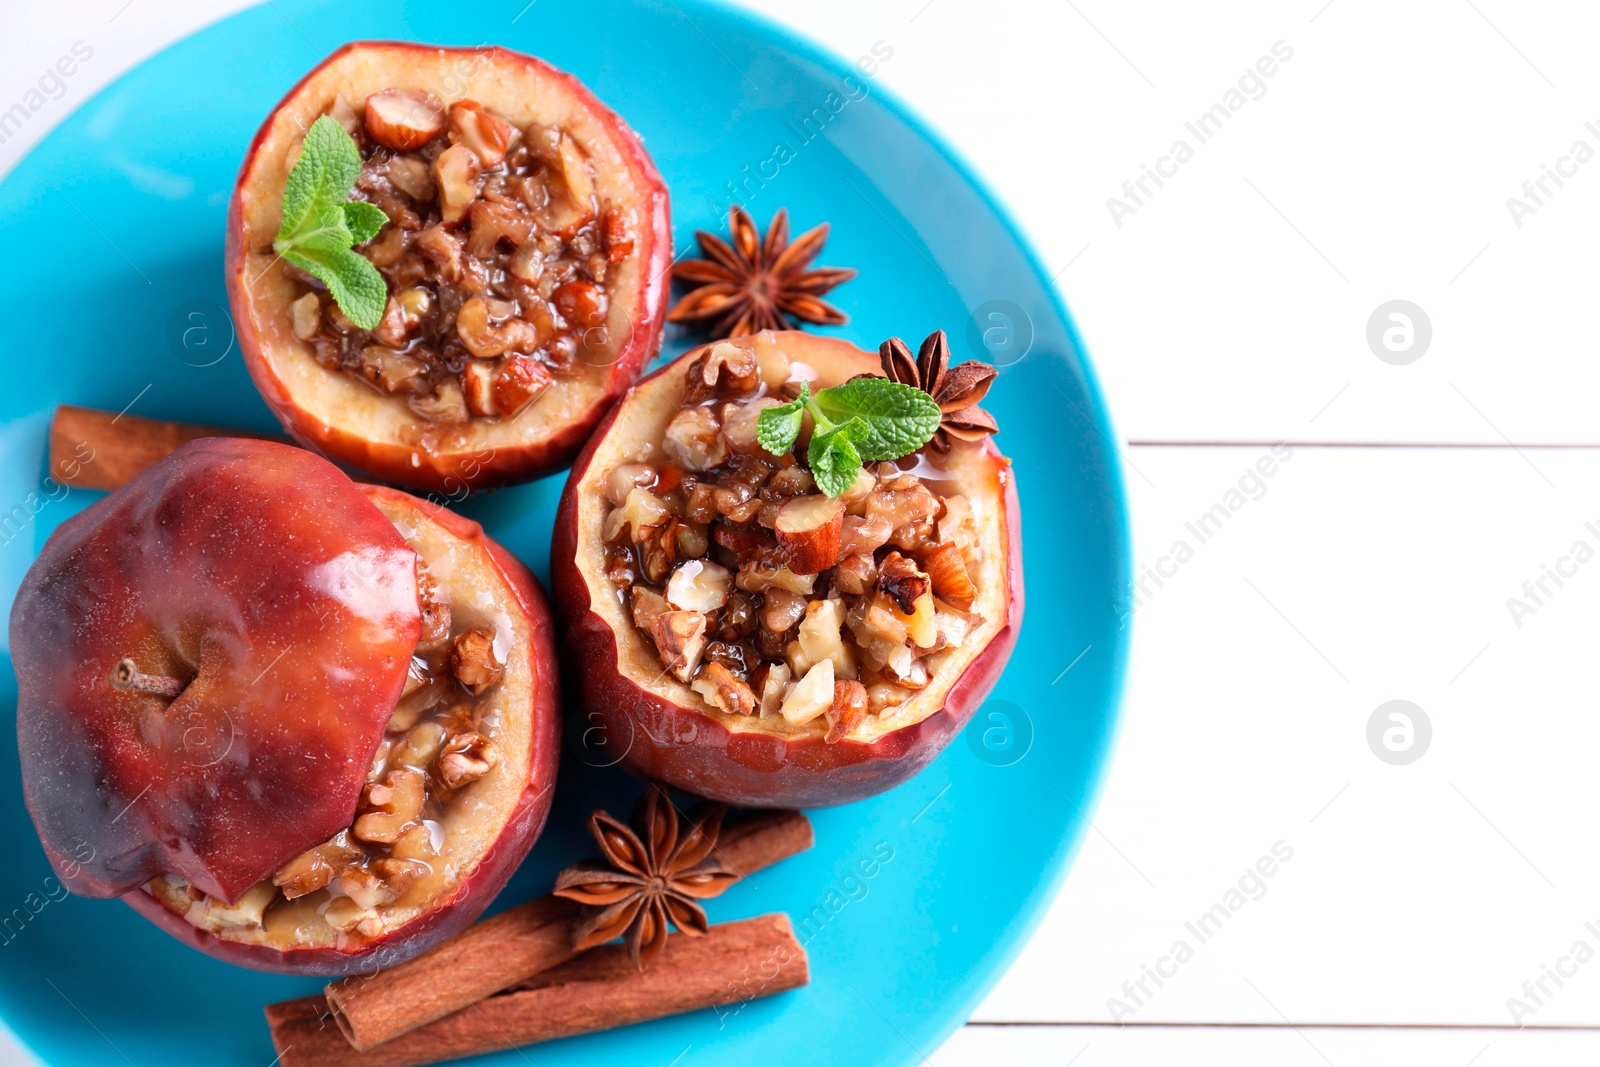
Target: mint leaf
[864, 419]
[352, 281]
[363, 220]
[777, 428]
[899, 418]
[833, 457]
[321, 179]
[320, 223]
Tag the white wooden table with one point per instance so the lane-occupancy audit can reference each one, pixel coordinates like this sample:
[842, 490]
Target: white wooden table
[1227, 312]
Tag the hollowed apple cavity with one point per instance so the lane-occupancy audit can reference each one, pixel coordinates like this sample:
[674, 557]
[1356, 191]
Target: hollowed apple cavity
[749, 639]
[525, 260]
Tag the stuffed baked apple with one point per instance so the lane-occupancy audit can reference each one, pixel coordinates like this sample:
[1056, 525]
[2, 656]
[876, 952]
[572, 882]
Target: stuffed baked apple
[302, 724]
[445, 264]
[790, 571]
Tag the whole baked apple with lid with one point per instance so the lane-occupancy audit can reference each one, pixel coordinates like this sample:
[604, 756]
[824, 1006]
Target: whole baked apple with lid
[300, 723]
[502, 274]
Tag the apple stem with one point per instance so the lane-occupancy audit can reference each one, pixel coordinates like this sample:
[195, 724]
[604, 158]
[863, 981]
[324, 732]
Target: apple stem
[126, 675]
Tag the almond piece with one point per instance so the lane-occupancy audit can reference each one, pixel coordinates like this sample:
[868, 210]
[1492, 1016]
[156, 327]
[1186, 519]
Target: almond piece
[767, 682]
[808, 529]
[480, 131]
[477, 384]
[810, 696]
[948, 573]
[456, 174]
[518, 382]
[403, 119]
[849, 710]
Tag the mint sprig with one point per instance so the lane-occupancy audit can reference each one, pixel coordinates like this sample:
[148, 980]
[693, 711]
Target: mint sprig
[863, 420]
[321, 224]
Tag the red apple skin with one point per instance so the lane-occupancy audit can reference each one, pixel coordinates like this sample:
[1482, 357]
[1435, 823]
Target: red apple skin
[478, 890]
[682, 747]
[233, 561]
[472, 467]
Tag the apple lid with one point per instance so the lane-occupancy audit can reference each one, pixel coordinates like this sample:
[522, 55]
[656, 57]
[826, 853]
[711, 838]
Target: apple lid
[265, 584]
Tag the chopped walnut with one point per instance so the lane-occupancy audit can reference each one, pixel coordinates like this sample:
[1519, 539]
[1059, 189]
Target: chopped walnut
[640, 512]
[474, 661]
[647, 605]
[465, 758]
[854, 575]
[699, 585]
[315, 868]
[899, 506]
[348, 917]
[901, 580]
[724, 690]
[739, 424]
[364, 887]
[434, 607]
[680, 638]
[781, 610]
[419, 746]
[398, 875]
[863, 534]
[724, 370]
[455, 172]
[249, 911]
[389, 806]
[694, 441]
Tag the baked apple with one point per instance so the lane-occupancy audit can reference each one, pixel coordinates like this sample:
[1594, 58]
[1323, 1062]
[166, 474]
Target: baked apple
[522, 249]
[303, 725]
[752, 639]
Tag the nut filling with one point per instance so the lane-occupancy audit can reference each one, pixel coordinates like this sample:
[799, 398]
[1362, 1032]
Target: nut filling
[769, 598]
[395, 856]
[495, 255]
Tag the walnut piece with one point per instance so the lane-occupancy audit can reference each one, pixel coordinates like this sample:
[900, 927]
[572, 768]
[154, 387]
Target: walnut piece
[724, 690]
[474, 662]
[465, 758]
[389, 806]
[725, 370]
[680, 638]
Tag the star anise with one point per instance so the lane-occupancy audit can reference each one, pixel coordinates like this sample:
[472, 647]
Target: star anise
[957, 390]
[756, 283]
[651, 874]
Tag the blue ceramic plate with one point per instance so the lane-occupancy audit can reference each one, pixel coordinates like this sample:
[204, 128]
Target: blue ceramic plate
[115, 226]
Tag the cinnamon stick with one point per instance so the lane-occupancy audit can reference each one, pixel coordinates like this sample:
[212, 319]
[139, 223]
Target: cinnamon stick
[92, 449]
[517, 944]
[599, 990]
